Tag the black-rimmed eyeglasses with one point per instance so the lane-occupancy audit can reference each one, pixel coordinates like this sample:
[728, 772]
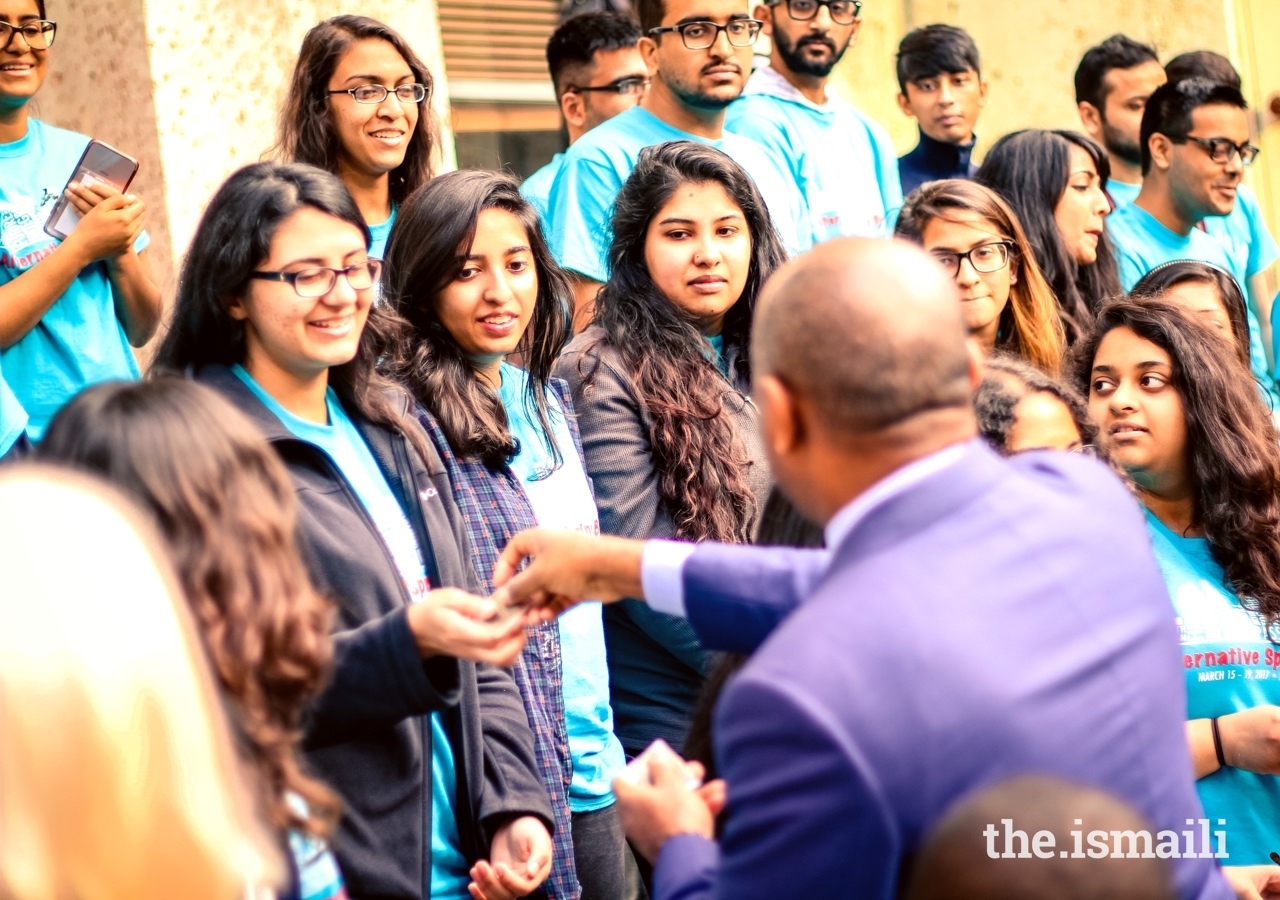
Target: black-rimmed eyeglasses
[38, 33]
[376, 93]
[627, 87]
[842, 12]
[318, 281]
[985, 258]
[703, 35]
[1222, 150]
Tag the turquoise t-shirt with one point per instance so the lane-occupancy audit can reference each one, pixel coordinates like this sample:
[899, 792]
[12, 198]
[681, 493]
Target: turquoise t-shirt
[13, 418]
[1245, 234]
[1123, 193]
[1142, 243]
[79, 341]
[843, 163]
[537, 187]
[340, 439]
[1230, 666]
[378, 235]
[561, 498]
[599, 162]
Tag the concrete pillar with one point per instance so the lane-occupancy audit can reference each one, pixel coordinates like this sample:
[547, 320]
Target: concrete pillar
[192, 88]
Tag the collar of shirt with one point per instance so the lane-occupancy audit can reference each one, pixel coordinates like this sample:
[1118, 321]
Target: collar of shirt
[769, 81]
[896, 482]
[941, 157]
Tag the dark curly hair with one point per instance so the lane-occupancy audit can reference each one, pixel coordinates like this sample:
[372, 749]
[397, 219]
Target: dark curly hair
[426, 251]
[1160, 280]
[1005, 381]
[699, 458]
[1231, 445]
[306, 133]
[226, 508]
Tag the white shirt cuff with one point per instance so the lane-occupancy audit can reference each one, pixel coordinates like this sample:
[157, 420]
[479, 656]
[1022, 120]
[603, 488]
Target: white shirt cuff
[662, 575]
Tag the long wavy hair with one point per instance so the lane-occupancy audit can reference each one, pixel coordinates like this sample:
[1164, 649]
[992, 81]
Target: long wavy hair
[699, 458]
[1231, 448]
[1160, 280]
[1031, 170]
[427, 250]
[1029, 325]
[233, 238]
[306, 132]
[226, 508]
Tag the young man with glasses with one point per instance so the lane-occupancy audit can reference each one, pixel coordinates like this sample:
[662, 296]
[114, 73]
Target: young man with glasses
[843, 163]
[597, 72]
[941, 87]
[1113, 83]
[698, 53]
[1195, 145]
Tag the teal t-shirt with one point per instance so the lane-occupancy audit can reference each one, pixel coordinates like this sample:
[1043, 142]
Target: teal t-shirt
[1142, 243]
[79, 341]
[340, 439]
[1123, 193]
[1230, 666]
[599, 162]
[561, 498]
[843, 163]
[1245, 234]
[537, 187]
[378, 235]
[13, 418]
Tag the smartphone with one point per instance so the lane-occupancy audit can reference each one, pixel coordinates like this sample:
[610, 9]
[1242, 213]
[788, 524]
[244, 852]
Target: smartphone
[99, 164]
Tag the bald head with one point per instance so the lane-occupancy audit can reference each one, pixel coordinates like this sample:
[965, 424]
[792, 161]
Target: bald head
[869, 331]
[956, 861]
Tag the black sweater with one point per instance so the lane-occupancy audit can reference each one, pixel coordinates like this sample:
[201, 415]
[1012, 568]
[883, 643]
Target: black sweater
[369, 733]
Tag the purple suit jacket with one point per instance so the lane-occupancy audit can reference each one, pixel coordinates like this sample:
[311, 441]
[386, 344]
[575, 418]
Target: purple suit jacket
[1000, 617]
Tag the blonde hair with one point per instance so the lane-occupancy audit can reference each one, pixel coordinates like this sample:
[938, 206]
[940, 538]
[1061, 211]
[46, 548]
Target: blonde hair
[1030, 323]
[117, 775]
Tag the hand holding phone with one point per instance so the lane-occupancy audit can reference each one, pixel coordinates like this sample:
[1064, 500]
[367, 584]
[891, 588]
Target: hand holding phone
[102, 174]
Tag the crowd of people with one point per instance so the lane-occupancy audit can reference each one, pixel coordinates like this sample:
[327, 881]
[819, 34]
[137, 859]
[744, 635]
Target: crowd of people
[902, 496]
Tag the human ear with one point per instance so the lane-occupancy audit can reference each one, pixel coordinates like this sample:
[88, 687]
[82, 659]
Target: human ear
[1161, 151]
[780, 416]
[982, 92]
[648, 48]
[574, 109]
[904, 104]
[235, 306]
[1090, 118]
[765, 15]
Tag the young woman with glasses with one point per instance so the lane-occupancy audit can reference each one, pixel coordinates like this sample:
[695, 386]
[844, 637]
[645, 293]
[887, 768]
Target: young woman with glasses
[976, 237]
[660, 382]
[431, 754]
[1055, 181]
[70, 310]
[359, 106]
[1179, 413]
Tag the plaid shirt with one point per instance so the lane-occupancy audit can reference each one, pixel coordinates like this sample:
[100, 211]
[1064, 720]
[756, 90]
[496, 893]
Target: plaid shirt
[494, 508]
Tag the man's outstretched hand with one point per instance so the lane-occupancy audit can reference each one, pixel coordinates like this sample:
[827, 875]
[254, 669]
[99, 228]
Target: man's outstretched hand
[565, 568]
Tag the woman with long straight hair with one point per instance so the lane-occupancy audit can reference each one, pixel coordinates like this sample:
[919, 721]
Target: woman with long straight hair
[1181, 416]
[430, 753]
[226, 510]
[977, 237]
[660, 382]
[473, 277]
[1056, 183]
[359, 106]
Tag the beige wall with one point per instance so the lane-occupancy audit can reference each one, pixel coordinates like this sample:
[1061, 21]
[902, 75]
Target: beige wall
[192, 87]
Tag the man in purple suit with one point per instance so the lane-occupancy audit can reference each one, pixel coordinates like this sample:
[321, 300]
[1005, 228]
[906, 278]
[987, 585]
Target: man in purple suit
[973, 619]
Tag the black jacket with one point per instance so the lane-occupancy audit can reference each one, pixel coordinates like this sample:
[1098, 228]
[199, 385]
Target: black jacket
[369, 733]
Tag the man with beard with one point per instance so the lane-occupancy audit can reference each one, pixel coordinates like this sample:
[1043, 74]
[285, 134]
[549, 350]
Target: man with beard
[1195, 145]
[941, 87]
[843, 163]
[1113, 82]
[698, 53]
